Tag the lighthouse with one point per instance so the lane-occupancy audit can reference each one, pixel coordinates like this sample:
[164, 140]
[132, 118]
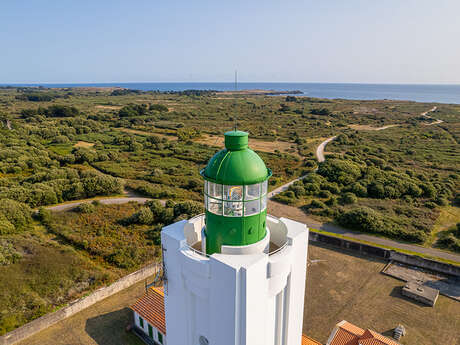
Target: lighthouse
[234, 275]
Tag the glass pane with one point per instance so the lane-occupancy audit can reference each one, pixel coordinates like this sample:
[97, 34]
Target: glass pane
[263, 203]
[215, 190]
[264, 187]
[233, 209]
[251, 207]
[234, 193]
[215, 206]
[205, 201]
[205, 187]
[252, 192]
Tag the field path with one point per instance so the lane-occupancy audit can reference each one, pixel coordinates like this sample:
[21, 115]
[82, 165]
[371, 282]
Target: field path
[109, 201]
[437, 122]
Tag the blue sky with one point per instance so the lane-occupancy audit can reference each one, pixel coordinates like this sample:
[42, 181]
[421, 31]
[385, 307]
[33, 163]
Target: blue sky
[392, 41]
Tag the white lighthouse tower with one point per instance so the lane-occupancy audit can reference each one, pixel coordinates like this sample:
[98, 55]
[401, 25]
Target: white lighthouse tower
[235, 275]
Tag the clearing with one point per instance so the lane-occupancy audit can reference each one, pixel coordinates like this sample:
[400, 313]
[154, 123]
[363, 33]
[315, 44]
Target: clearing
[83, 144]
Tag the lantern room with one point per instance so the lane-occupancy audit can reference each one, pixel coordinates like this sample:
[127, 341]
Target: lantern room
[235, 195]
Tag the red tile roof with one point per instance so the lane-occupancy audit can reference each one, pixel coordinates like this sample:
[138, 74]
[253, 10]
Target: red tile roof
[151, 307]
[309, 341]
[348, 334]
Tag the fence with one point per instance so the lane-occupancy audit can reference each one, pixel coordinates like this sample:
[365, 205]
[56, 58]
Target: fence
[387, 254]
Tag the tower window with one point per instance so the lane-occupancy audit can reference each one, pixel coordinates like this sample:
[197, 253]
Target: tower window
[215, 206]
[215, 190]
[233, 209]
[234, 193]
[252, 191]
[251, 207]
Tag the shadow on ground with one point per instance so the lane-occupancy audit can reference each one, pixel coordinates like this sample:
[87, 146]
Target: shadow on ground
[110, 328]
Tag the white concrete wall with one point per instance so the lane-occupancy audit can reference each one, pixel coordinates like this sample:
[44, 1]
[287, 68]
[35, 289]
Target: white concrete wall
[247, 299]
[155, 331]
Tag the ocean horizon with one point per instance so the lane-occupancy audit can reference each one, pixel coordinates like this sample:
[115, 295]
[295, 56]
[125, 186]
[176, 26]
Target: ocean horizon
[439, 93]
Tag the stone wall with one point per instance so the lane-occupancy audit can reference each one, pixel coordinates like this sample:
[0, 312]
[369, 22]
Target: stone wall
[48, 320]
[388, 254]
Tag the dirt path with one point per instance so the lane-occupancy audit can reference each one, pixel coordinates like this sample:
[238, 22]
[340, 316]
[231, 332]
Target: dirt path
[370, 128]
[425, 114]
[108, 201]
[281, 210]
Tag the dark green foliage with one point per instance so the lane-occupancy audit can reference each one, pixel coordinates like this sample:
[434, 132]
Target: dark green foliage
[85, 208]
[15, 213]
[320, 111]
[368, 220]
[43, 215]
[133, 110]
[348, 198]
[51, 111]
[340, 171]
[123, 92]
[158, 107]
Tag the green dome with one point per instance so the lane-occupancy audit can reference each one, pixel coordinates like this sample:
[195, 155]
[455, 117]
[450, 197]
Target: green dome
[236, 164]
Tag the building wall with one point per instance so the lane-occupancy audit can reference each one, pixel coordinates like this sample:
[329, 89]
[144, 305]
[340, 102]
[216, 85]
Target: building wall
[145, 328]
[254, 299]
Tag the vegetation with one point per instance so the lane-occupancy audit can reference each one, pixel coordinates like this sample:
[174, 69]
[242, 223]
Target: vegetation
[59, 145]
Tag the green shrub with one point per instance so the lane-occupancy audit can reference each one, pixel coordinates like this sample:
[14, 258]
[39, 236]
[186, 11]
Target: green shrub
[340, 171]
[16, 213]
[85, 208]
[144, 216]
[348, 198]
[44, 215]
[8, 255]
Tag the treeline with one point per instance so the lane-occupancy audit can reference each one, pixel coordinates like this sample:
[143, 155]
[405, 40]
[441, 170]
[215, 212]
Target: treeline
[60, 184]
[341, 182]
[131, 110]
[51, 111]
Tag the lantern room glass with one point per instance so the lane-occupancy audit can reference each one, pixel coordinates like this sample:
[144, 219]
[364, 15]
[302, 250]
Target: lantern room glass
[235, 200]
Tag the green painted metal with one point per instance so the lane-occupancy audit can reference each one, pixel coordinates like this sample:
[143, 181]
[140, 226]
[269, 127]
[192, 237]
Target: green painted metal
[236, 165]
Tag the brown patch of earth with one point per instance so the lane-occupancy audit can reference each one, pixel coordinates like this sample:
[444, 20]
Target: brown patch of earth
[83, 144]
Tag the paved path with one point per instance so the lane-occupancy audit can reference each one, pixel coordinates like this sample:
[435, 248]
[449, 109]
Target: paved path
[320, 149]
[281, 210]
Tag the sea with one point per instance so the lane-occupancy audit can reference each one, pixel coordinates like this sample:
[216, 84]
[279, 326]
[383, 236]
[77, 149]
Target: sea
[440, 93]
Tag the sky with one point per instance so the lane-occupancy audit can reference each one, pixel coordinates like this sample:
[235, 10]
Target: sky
[367, 41]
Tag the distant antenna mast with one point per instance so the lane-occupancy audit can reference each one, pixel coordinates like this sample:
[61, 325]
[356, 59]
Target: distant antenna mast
[236, 88]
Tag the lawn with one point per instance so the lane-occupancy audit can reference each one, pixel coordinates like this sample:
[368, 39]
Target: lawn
[346, 286]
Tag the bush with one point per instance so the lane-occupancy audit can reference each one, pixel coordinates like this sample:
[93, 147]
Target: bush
[367, 220]
[44, 215]
[85, 208]
[340, 171]
[8, 255]
[15, 213]
[158, 107]
[348, 198]
[144, 216]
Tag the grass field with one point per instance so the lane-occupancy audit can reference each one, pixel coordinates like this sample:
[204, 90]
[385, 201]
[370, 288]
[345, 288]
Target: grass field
[347, 286]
